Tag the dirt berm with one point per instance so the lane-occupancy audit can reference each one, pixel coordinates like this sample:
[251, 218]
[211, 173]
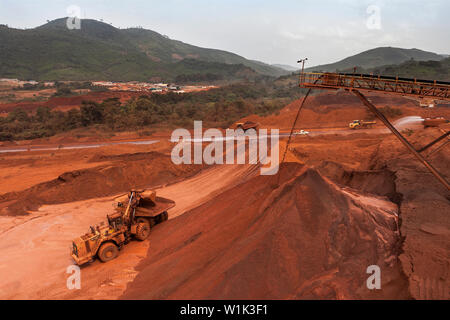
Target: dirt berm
[424, 211]
[121, 174]
[306, 239]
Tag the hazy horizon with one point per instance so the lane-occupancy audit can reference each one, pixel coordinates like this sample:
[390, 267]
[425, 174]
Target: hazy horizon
[275, 33]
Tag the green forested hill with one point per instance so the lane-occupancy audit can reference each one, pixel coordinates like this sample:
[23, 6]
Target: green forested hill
[379, 57]
[99, 51]
[428, 70]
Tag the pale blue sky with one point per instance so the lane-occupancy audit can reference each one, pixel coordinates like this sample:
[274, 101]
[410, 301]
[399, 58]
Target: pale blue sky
[271, 31]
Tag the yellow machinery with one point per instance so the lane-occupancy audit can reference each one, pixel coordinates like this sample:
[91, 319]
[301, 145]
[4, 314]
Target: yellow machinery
[360, 124]
[135, 215]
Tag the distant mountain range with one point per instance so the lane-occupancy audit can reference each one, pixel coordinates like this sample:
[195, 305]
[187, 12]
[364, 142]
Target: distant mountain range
[427, 70]
[99, 51]
[438, 68]
[379, 57]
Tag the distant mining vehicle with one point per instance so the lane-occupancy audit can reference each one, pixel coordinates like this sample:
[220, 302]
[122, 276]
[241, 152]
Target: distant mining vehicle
[135, 215]
[434, 122]
[301, 133]
[359, 124]
[247, 125]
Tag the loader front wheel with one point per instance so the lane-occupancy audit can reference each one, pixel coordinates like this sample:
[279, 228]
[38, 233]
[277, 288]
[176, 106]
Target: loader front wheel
[142, 231]
[107, 252]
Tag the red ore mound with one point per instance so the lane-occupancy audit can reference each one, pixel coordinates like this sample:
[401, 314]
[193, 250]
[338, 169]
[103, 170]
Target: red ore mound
[306, 239]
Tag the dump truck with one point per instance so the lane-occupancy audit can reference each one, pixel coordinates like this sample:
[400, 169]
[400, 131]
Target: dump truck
[247, 125]
[135, 214]
[359, 124]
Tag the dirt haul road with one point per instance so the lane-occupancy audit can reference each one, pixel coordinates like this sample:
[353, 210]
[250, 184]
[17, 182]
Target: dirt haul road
[34, 252]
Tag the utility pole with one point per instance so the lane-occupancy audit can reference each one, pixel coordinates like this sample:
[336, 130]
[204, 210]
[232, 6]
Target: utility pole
[302, 75]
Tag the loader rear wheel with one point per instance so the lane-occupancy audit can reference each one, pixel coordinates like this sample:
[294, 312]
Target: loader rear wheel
[107, 252]
[142, 231]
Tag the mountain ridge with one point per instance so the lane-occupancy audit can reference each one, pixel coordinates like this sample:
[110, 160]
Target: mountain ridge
[286, 67]
[378, 57]
[99, 51]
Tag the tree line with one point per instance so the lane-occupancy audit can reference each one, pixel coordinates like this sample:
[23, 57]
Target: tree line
[217, 108]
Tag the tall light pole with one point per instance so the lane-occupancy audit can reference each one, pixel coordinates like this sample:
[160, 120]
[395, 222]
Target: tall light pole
[302, 75]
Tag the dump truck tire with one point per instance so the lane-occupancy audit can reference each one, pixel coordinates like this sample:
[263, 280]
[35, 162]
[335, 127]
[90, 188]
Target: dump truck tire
[142, 220]
[164, 216]
[107, 252]
[142, 231]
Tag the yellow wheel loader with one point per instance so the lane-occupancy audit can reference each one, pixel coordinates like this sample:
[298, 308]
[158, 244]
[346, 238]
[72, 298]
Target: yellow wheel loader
[135, 215]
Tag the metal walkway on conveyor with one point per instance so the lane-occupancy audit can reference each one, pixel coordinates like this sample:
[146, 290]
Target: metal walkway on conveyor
[438, 90]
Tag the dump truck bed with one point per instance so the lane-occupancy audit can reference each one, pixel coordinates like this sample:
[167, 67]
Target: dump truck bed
[247, 125]
[153, 209]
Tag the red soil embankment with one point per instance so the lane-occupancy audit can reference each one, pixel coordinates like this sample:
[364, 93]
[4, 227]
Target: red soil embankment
[123, 173]
[306, 239]
[425, 209]
[335, 110]
[66, 103]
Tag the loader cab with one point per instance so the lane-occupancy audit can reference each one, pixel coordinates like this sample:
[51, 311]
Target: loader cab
[115, 220]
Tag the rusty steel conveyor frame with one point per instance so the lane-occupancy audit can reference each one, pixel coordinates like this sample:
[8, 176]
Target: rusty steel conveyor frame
[406, 87]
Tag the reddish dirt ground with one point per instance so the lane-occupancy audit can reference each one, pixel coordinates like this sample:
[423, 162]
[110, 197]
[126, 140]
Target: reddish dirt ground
[424, 209]
[337, 110]
[345, 201]
[9, 96]
[67, 103]
[307, 238]
[52, 228]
